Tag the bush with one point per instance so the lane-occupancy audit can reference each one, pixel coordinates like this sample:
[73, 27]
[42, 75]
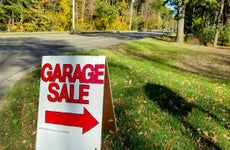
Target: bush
[224, 38]
[189, 37]
[29, 27]
[141, 25]
[106, 15]
[206, 35]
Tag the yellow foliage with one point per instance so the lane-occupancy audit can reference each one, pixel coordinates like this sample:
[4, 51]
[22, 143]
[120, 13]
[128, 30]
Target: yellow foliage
[153, 24]
[120, 23]
[65, 14]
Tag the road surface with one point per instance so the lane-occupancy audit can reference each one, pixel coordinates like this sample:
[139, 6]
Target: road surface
[19, 53]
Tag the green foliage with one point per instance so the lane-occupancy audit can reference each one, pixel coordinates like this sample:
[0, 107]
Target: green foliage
[140, 25]
[224, 38]
[2, 11]
[197, 25]
[106, 15]
[29, 27]
[122, 16]
[203, 14]
[206, 35]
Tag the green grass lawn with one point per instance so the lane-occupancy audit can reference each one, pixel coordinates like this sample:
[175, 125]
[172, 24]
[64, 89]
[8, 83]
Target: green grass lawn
[166, 96]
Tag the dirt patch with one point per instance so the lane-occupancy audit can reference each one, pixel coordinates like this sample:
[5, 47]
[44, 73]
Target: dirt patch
[209, 61]
[193, 41]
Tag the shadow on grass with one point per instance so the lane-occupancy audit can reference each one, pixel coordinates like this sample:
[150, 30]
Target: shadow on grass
[123, 35]
[168, 100]
[167, 38]
[128, 136]
[174, 104]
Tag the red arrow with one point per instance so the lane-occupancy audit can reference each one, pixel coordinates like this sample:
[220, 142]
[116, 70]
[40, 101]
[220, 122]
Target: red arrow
[86, 121]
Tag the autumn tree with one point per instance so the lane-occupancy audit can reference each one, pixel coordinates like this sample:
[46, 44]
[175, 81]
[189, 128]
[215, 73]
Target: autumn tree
[122, 16]
[50, 15]
[105, 15]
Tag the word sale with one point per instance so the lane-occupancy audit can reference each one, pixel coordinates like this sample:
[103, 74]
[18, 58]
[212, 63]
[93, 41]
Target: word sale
[62, 81]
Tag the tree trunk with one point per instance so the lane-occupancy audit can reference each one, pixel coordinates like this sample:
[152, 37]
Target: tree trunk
[77, 12]
[91, 11]
[21, 18]
[180, 22]
[83, 12]
[12, 18]
[218, 22]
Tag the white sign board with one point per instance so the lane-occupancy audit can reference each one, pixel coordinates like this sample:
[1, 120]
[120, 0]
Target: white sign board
[70, 103]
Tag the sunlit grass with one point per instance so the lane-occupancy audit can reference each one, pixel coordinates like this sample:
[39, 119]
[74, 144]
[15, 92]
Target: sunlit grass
[158, 103]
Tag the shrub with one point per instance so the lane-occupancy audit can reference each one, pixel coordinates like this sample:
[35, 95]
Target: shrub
[206, 35]
[224, 38]
[141, 25]
[29, 27]
[106, 15]
[189, 37]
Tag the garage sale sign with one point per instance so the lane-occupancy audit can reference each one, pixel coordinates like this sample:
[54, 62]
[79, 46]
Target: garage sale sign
[71, 102]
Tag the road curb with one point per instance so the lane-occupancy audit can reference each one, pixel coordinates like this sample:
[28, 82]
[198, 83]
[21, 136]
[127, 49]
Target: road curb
[9, 82]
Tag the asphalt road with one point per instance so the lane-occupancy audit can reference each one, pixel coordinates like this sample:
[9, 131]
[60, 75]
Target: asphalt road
[19, 53]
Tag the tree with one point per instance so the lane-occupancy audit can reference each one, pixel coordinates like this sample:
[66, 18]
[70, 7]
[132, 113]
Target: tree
[218, 22]
[225, 34]
[227, 13]
[49, 15]
[200, 14]
[2, 17]
[180, 6]
[122, 16]
[206, 19]
[180, 21]
[105, 15]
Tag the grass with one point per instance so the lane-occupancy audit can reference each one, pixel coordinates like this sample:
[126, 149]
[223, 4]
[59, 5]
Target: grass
[166, 96]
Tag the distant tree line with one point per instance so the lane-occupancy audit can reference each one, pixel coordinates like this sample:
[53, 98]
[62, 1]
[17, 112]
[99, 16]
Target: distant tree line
[208, 20]
[56, 15]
